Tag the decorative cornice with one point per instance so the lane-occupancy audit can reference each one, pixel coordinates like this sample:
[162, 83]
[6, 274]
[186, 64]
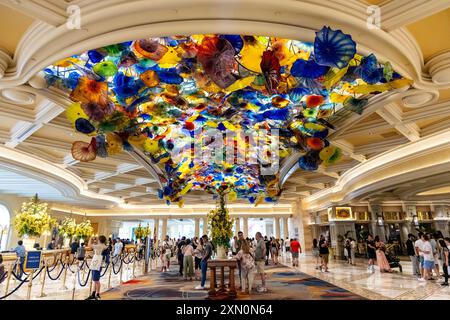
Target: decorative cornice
[348, 184]
[65, 181]
[113, 21]
[5, 61]
[439, 68]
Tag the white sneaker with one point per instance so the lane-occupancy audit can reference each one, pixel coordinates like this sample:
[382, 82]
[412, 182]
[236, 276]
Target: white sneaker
[421, 279]
[199, 287]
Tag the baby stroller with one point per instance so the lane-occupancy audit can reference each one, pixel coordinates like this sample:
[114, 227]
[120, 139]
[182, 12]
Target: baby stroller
[392, 258]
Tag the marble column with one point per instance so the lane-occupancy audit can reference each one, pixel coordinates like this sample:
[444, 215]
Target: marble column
[205, 226]
[156, 228]
[245, 227]
[197, 227]
[237, 226]
[441, 220]
[164, 228]
[277, 228]
[286, 227]
[377, 230]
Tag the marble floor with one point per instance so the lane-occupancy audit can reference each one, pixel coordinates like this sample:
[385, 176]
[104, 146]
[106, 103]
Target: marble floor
[352, 282]
[379, 286]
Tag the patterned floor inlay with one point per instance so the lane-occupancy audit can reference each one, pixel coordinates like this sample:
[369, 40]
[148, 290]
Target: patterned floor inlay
[283, 283]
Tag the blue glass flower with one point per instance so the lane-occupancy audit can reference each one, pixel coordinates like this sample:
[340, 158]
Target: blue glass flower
[308, 162]
[84, 126]
[333, 48]
[308, 69]
[369, 71]
[236, 41]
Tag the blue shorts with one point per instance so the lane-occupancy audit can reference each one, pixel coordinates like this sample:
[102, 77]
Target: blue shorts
[428, 265]
[96, 275]
[421, 260]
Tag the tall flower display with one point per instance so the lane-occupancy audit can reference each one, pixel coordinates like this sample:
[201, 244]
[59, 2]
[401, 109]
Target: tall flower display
[33, 218]
[68, 227]
[84, 229]
[142, 232]
[221, 224]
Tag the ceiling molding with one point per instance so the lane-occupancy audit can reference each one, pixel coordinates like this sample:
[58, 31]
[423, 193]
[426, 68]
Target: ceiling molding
[67, 182]
[117, 21]
[398, 13]
[353, 179]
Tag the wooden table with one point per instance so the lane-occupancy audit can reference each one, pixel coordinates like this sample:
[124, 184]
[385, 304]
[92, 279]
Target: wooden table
[222, 263]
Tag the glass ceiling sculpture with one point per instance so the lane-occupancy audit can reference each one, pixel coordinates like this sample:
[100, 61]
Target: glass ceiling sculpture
[164, 96]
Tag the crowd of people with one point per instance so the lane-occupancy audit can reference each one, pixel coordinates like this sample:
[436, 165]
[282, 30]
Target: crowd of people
[429, 254]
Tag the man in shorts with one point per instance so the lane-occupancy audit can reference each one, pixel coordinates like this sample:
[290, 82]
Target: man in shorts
[295, 250]
[323, 250]
[260, 254]
[418, 247]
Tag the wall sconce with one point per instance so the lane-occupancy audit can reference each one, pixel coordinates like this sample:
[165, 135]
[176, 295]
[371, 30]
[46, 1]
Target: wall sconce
[380, 220]
[415, 220]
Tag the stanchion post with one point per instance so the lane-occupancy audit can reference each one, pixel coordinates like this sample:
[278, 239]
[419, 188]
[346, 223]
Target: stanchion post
[134, 265]
[43, 281]
[30, 285]
[121, 271]
[75, 281]
[64, 287]
[110, 272]
[9, 279]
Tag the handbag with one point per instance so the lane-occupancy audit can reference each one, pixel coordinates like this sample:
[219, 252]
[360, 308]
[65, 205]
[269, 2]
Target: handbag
[96, 262]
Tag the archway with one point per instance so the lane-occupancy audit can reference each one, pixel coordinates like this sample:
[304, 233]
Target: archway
[4, 226]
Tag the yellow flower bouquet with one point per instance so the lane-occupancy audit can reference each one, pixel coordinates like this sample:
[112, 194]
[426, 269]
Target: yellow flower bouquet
[142, 232]
[67, 227]
[84, 229]
[33, 218]
[221, 224]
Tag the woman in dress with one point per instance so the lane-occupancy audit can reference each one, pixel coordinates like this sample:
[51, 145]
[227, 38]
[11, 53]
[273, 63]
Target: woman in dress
[246, 257]
[315, 252]
[382, 262]
[274, 251]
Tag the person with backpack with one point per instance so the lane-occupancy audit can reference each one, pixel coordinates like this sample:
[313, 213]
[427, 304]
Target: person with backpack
[246, 258]
[98, 246]
[260, 254]
[180, 255]
[188, 261]
[166, 246]
[81, 252]
[207, 253]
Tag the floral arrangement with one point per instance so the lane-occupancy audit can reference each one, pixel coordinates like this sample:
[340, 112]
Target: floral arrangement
[67, 227]
[221, 224]
[84, 229]
[142, 232]
[162, 95]
[33, 218]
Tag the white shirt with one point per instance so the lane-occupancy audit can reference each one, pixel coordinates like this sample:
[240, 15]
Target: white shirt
[427, 247]
[419, 244]
[118, 248]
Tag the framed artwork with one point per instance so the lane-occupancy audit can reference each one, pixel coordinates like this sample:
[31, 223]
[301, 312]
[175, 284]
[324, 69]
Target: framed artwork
[343, 213]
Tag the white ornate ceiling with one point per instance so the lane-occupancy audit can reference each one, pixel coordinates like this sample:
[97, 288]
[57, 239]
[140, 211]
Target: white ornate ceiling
[36, 138]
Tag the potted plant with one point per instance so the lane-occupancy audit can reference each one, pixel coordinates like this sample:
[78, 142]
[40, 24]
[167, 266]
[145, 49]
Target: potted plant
[221, 227]
[32, 220]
